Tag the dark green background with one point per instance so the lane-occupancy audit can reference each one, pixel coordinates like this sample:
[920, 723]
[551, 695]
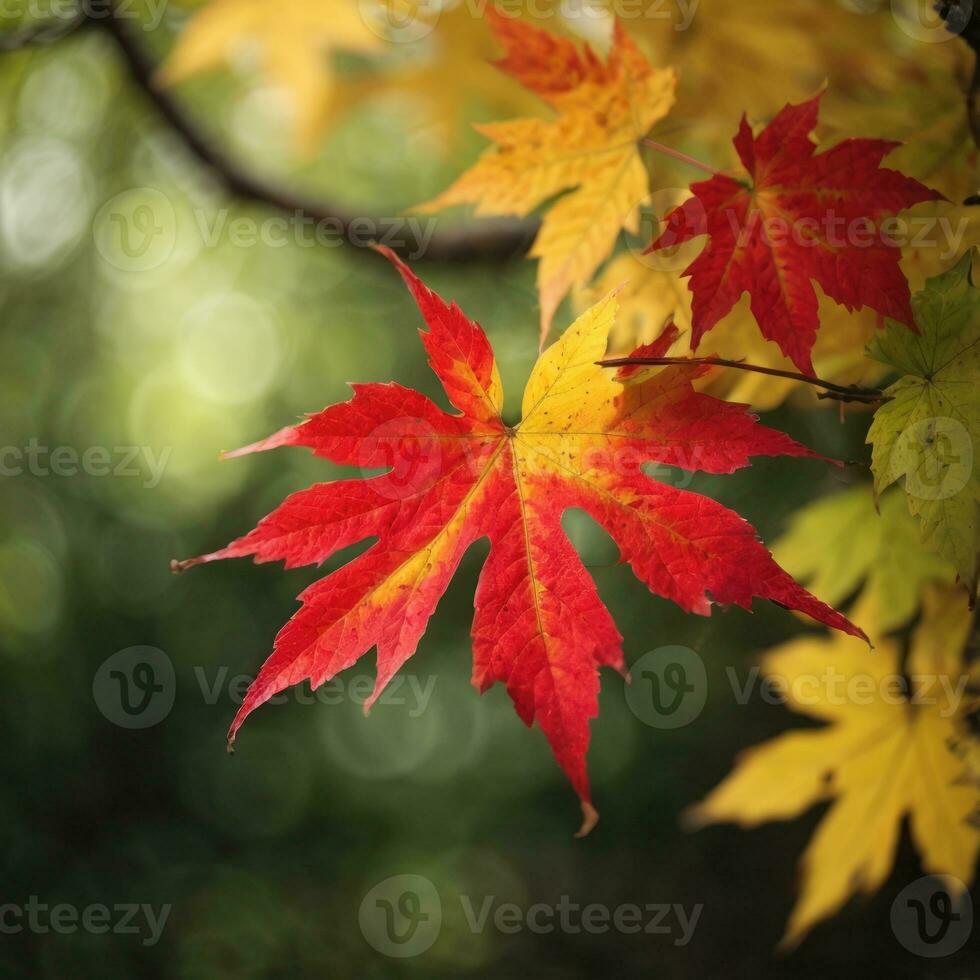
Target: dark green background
[265, 856]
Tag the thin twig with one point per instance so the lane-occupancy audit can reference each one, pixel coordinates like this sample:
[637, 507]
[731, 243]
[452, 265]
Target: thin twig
[683, 157]
[491, 239]
[843, 393]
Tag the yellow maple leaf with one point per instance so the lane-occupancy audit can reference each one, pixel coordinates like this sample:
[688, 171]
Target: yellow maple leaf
[589, 151]
[883, 756]
[459, 48]
[878, 551]
[293, 43]
[941, 233]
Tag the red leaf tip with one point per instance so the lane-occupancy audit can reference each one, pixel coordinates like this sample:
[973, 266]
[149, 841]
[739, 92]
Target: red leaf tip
[177, 566]
[590, 817]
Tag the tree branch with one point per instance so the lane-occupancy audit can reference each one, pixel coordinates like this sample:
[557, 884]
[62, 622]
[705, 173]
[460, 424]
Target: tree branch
[963, 18]
[490, 239]
[841, 393]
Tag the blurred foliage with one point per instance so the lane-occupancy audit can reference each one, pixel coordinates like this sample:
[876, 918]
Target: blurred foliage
[198, 345]
[878, 757]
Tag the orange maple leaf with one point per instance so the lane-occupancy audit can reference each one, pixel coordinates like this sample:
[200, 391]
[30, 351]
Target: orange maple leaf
[589, 151]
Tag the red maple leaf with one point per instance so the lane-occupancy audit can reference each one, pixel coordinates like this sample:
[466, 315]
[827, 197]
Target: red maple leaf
[451, 479]
[804, 217]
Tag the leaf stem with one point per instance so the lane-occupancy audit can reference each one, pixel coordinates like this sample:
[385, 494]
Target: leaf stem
[843, 393]
[683, 157]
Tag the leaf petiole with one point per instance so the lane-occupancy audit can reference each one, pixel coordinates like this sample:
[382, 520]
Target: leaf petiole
[678, 155]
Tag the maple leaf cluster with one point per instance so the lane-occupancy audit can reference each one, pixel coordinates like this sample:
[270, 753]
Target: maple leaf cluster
[809, 237]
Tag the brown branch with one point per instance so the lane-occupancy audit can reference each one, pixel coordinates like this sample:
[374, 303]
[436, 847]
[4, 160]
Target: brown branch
[842, 393]
[962, 17]
[490, 239]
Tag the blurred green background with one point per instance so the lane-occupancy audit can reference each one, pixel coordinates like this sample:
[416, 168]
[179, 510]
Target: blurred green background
[266, 856]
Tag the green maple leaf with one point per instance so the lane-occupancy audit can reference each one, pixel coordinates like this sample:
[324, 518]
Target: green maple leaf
[927, 436]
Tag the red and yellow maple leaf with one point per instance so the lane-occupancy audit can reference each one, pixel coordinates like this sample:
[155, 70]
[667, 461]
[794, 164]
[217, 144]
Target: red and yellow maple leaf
[589, 153]
[804, 217]
[539, 626]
